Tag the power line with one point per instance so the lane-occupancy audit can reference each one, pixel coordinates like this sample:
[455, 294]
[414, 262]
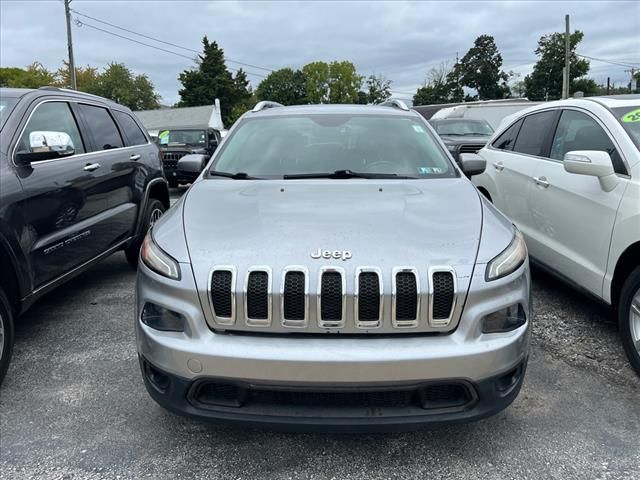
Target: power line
[607, 61]
[165, 42]
[80, 23]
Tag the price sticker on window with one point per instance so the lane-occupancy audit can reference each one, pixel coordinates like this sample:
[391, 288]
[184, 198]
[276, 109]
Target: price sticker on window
[632, 116]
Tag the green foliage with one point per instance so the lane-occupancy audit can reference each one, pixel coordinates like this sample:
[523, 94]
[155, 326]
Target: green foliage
[86, 78]
[34, 76]
[210, 80]
[284, 86]
[545, 82]
[587, 86]
[481, 69]
[441, 86]
[119, 84]
[336, 82]
[317, 82]
[378, 89]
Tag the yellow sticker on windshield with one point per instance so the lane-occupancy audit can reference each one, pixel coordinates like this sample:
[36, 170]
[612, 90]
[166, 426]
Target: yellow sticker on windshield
[632, 116]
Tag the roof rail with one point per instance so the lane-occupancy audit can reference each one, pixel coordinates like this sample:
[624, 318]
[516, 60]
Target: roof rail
[70, 90]
[395, 103]
[265, 104]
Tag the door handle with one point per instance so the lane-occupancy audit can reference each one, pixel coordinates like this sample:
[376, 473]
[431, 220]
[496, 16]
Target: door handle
[135, 157]
[90, 167]
[542, 181]
[499, 166]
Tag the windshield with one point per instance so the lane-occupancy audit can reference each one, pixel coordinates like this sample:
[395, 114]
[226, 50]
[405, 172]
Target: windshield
[182, 137]
[629, 118]
[273, 147]
[463, 127]
[6, 105]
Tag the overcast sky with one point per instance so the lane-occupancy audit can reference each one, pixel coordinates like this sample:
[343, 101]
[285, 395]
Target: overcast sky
[401, 40]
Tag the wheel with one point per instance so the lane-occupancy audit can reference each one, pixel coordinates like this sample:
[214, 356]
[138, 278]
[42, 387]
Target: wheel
[152, 213]
[629, 318]
[6, 334]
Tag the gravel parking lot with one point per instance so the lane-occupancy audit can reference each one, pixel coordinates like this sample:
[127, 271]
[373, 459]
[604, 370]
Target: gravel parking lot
[73, 406]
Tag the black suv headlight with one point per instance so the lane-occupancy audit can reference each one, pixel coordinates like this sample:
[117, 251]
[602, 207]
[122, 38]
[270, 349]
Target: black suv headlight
[509, 260]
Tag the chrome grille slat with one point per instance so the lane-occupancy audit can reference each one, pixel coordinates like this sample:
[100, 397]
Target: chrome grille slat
[365, 312]
[331, 298]
[257, 296]
[405, 316]
[294, 315]
[438, 304]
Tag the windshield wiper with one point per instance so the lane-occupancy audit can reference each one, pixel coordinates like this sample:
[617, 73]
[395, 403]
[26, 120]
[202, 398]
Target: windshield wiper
[234, 176]
[343, 174]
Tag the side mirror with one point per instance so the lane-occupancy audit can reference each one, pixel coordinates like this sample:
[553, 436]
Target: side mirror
[193, 163]
[472, 164]
[45, 145]
[595, 163]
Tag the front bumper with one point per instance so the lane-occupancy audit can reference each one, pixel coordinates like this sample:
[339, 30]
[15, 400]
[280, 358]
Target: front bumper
[483, 363]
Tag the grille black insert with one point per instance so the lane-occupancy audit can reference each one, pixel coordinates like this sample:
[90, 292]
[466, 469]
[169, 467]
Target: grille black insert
[470, 148]
[294, 296]
[406, 296]
[445, 395]
[368, 297]
[221, 293]
[442, 295]
[331, 296]
[258, 295]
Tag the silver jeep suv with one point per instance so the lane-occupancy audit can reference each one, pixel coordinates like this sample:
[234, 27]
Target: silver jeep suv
[333, 267]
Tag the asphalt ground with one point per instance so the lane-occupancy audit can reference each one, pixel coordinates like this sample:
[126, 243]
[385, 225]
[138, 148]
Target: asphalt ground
[73, 406]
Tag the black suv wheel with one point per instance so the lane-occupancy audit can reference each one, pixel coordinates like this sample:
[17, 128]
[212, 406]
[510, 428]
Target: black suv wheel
[152, 214]
[6, 334]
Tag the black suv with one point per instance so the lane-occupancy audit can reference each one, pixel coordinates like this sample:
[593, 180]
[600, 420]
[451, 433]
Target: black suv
[177, 143]
[462, 135]
[79, 179]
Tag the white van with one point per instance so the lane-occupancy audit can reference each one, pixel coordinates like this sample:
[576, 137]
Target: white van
[493, 113]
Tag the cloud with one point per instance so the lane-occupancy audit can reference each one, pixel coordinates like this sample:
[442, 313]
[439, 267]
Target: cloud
[401, 40]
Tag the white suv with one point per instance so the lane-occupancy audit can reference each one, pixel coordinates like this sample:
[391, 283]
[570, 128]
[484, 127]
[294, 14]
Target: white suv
[568, 175]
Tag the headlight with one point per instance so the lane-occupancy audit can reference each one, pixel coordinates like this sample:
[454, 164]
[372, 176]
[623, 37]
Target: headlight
[504, 320]
[157, 260]
[509, 260]
[161, 318]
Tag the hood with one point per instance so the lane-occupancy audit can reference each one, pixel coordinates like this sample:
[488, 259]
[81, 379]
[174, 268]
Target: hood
[384, 223]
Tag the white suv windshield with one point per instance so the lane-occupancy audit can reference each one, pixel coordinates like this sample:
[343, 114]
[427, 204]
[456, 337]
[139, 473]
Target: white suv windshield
[273, 147]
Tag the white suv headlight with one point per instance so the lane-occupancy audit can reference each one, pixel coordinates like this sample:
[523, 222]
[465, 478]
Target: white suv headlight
[157, 260]
[509, 260]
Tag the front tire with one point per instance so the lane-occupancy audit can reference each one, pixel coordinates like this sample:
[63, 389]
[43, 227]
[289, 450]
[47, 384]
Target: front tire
[629, 318]
[6, 334]
[152, 213]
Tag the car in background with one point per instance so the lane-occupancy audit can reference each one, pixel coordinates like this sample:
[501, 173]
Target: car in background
[461, 135]
[79, 180]
[333, 268]
[177, 143]
[568, 174]
[492, 111]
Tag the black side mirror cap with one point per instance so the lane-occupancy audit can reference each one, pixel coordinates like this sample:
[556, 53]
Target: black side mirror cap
[193, 163]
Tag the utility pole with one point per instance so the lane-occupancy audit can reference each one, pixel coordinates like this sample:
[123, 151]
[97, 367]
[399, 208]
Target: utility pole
[567, 53]
[72, 67]
[633, 83]
[608, 85]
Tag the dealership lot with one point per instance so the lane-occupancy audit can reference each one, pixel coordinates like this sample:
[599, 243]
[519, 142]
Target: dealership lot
[73, 406]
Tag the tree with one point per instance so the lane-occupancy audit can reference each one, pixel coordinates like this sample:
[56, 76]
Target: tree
[317, 81]
[335, 82]
[284, 86]
[34, 76]
[440, 86]
[481, 69]
[378, 89]
[545, 82]
[119, 84]
[210, 80]
[587, 86]
[86, 78]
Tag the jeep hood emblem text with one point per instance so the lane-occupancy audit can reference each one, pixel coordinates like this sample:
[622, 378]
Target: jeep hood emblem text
[343, 254]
